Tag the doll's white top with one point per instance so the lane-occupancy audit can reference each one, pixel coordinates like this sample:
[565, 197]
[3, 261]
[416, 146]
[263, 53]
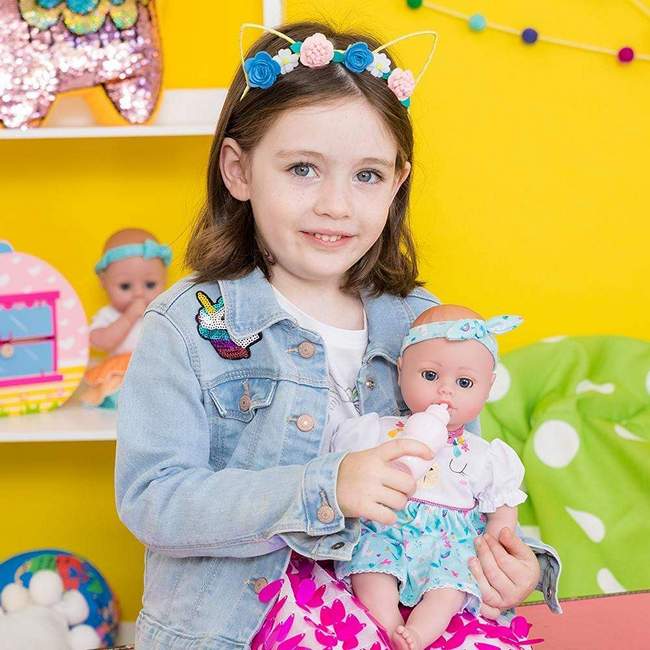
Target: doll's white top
[465, 471]
[107, 316]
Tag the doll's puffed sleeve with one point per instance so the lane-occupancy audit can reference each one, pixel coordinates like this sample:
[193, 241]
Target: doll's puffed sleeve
[357, 434]
[501, 478]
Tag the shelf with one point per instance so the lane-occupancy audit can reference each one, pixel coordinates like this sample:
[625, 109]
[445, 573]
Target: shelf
[182, 112]
[70, 423]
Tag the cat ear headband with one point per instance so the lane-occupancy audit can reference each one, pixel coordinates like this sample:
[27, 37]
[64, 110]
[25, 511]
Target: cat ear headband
[316, 51]
[465, 329]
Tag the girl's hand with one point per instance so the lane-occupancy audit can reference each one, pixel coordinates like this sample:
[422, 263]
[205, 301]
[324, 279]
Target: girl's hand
[370, 486]
[506, 570]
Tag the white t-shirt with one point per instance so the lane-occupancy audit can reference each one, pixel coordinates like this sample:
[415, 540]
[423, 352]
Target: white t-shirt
[344, 351]
[107, 316]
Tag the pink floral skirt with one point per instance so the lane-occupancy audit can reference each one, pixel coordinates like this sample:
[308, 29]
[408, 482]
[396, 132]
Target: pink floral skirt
[312, 609]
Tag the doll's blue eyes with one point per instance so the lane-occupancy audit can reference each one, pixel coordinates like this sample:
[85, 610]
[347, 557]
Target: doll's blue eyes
[464, 382]
[432, 375]
[429, 375]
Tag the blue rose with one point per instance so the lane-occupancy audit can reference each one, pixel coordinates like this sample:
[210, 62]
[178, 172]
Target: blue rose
[357, 57]
[262, 70]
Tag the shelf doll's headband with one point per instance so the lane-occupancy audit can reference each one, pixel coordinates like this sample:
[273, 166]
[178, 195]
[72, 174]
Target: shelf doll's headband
[149, 249]
[316, 51]
[464, 329]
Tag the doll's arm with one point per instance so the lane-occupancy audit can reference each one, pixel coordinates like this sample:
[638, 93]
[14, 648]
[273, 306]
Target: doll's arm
[109, 337]
[502, 517]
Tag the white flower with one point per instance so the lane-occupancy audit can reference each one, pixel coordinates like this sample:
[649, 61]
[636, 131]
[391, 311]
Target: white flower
[380, 65]
[287, 60]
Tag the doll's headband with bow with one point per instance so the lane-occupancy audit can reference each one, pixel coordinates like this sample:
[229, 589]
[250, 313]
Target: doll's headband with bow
[464, 329]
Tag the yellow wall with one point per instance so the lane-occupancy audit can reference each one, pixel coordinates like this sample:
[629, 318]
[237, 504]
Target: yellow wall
[531, 184]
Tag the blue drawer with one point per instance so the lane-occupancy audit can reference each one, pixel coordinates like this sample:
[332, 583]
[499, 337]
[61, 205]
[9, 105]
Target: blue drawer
[26, 323]
[28, 359]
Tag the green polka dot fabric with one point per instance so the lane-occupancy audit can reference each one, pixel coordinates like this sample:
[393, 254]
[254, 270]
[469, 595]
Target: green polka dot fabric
[577, 410]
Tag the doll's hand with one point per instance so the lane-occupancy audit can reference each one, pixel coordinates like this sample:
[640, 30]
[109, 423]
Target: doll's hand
[369, 486]
[136, 309]
[506, 570]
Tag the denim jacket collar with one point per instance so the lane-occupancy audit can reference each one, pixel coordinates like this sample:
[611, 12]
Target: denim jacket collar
[251, 307]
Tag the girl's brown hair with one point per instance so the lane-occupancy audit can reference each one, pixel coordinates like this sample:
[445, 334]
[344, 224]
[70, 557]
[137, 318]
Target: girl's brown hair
[224, 243]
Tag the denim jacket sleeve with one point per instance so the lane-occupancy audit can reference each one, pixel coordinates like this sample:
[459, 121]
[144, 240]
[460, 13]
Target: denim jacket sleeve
[168, 494]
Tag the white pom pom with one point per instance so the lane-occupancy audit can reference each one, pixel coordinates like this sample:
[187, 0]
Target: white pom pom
[74, 607]
[14, 597]
[84, 637]
[46, 588]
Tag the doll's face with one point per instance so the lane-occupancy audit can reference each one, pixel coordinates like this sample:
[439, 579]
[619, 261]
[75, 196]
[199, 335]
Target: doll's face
[132, 278]
[456, 373]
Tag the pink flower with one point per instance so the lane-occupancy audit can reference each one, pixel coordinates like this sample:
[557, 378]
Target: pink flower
[402, 83]
[316, 51]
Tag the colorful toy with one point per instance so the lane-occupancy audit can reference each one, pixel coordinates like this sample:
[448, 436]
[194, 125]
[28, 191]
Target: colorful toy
[43, 335]
[52, 46]
[55, 599]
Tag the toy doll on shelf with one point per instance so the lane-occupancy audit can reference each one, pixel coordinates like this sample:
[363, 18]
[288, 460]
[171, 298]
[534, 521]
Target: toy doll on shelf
[133, 271]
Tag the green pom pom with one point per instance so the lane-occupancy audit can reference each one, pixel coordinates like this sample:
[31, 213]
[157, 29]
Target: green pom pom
[295, 47]
[414, 4]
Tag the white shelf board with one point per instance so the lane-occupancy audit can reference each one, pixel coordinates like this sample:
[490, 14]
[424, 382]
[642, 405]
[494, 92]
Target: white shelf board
[71, 422]
[182, 112]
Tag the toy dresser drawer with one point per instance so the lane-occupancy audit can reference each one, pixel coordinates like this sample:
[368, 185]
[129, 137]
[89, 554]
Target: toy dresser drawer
[26, 359]
[26, 323]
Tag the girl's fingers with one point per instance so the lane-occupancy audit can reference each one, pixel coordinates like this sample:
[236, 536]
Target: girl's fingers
[489, 595]
[489, 612]
[381, 514]
[398, 480]
[494, 574]
[403, 447]
[392, 499]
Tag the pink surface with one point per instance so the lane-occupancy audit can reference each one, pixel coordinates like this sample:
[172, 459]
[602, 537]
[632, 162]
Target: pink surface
[615, 622]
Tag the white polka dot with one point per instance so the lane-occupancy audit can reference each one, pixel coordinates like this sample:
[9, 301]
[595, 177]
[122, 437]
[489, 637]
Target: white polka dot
[585, 386]
[501, 383]
[556, 443]
[592, 525]
[647, 382]
[625, 434]
[608, 583]
[553, 339]
[532, 531]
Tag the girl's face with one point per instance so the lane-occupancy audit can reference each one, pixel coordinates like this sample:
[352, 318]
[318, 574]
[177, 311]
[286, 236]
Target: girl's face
[320, 183]
[456, 373]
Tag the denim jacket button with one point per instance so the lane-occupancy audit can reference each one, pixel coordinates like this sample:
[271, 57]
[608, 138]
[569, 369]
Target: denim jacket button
[306, 350]
[325, 514]
[259, 584]
[244, 403]
[337, 546]
[305, 422]
[370, 383]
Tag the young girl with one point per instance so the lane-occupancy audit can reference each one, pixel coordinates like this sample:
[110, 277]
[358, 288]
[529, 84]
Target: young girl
[446, 369]
[304, 283]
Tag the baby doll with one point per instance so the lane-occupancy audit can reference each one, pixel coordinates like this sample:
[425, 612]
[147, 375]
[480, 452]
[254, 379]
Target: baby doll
[133, 271]
[446, 369]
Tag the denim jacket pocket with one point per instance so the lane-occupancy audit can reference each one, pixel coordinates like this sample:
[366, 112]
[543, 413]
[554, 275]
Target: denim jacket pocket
[241, 398]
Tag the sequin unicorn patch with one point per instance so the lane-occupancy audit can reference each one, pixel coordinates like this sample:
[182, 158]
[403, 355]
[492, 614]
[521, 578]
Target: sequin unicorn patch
[211, 320]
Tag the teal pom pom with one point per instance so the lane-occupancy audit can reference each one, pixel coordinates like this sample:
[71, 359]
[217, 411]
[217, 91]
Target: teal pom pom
[477, 23]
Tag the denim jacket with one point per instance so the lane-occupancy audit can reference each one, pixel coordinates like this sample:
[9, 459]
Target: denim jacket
[221, 465]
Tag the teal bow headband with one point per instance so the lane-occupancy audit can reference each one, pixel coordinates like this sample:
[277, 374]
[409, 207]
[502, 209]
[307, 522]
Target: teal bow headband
[149, 250]
[465, 329]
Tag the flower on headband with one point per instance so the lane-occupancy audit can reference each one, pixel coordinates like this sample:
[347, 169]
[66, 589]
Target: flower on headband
[287, 60]
[380, 65]
[402, 83]
[316, 51]
[358, 57]
[261, 70]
